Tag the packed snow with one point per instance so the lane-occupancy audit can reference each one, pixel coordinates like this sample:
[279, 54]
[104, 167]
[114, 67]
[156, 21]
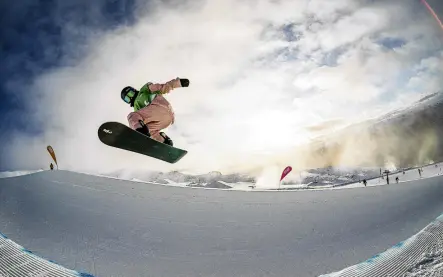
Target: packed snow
[429, 263]
[8, 174]
[403, 175]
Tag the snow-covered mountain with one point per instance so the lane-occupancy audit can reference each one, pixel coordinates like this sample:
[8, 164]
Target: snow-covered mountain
[209, 180]
[402, 138]
[308, 179]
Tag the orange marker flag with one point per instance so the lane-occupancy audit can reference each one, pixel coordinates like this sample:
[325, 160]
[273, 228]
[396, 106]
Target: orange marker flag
[52, 153]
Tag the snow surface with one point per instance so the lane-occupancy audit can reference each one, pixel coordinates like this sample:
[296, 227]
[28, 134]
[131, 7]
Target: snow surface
[8, 174]
[112, 227]
[420, 255]
[428, 171]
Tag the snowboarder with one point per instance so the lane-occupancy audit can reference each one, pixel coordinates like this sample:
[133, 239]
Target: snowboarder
[152, 112]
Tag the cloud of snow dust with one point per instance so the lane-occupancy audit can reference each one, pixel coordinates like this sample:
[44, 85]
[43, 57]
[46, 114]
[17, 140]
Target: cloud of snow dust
[269, 178]
[409, 142]
[266, 76]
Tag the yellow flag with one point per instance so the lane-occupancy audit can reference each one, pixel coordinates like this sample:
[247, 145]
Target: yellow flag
[52, 153]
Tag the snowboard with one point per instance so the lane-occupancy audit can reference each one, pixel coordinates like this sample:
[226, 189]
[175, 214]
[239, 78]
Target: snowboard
[118, 135]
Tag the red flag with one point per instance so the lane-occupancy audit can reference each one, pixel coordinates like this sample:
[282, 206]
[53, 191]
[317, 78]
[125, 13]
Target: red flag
[285, 172]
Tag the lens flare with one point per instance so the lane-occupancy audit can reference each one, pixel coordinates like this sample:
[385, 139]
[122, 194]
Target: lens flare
[433, 13]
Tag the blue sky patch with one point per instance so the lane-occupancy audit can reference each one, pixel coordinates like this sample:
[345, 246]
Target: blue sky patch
[392, 43]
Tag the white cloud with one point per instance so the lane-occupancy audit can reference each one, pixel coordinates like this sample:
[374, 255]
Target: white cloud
[252, 93]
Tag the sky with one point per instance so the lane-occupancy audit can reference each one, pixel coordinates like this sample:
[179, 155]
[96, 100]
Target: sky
[265, 76]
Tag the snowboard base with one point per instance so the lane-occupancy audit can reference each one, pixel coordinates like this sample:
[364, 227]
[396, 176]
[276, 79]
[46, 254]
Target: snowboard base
[118, 135]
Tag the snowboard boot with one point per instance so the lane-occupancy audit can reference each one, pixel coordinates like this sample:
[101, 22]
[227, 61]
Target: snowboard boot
[143, 129]
[168, 140]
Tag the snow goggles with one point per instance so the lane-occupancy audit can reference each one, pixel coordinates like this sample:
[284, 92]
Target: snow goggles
[129, 94]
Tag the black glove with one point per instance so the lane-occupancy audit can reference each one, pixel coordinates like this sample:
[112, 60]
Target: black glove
[184, 82]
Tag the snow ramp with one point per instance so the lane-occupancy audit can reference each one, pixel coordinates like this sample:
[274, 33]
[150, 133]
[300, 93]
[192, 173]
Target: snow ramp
[110, 227]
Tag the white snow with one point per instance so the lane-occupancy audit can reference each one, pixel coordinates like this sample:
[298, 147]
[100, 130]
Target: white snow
[419, 256]
[428, 263]
[8, 174]
[428, 171]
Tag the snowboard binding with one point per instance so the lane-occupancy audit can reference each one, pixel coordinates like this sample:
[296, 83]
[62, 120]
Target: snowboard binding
[168, 140]
[143, 129]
